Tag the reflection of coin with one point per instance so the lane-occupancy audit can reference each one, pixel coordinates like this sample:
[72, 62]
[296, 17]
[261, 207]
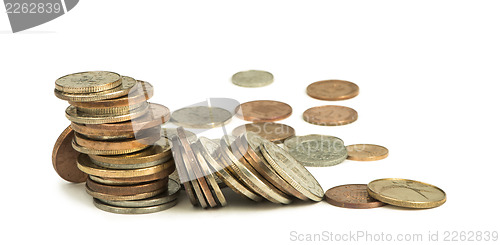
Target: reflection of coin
[252, 78]
[406, 193]
[316, 150]
[201, 117]
[64, 158]
[333, 90]
[351, 196]
[275, 132]
[88, 82]
[330, 115]
[263, 111]
[127, 85]
[366, 152]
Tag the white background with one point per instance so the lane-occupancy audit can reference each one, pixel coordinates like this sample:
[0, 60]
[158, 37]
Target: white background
[428, 76]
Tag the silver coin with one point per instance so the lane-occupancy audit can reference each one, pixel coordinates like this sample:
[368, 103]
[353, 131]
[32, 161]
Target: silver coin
[144, 210]
[201, 117]
[252, 78]
[316, 150]
[170, 132]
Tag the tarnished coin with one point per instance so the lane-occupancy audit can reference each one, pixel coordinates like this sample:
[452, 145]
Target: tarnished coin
[127, 190]
[252, 78]
[85, 164]
[88, 82]
[333, 90]
[205, 170]
[292, 171]
[330, 115]
[316, 150]
[351, 196]
[170, 132]
[366, 152]
[75, 116]
[406, 193]
[64, 158]
[123, 210]
[181, 170]
[263, 111]
[139, 196]
[201, 117]
[275, 132]
[128, 84]
[168, 195]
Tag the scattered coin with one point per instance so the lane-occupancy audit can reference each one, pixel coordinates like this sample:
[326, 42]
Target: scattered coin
[144, 210]
[263, 111]
[316, 150]
[406, 193]
[252, 78]
[88, 82]
[64, 158]
[333, 90]
[330, 115]
[275, 132]
[351, 196]
[201, 117]
[366, 152]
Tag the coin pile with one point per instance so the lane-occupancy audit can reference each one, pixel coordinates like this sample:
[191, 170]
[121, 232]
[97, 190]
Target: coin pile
[117, 132]
[250, 165]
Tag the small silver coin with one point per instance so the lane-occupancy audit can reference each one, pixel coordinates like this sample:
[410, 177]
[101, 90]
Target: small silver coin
[201, 117]
[252, 78]
[316, 150]
[144, 210]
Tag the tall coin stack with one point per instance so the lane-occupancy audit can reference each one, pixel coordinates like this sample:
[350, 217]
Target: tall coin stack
[117, 132]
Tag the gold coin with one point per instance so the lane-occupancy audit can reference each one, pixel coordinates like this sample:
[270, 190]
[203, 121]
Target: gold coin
[124, 198]
[159, 152]
[366, 152]
[88, 82]
[333, 90]
[75, 116]
[87, 166]
[128, 84]
[91, 151]
[406, 193]
[111, 110]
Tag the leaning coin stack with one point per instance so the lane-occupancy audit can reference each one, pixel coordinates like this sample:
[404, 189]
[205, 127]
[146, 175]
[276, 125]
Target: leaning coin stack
[117, 132]
[250, 165]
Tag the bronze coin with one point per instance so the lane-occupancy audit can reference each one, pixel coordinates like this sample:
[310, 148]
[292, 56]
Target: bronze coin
[351, 196]
[333, 90]
[139, 94]
[366, 152]
[182, 172]
[330, 115]
[135, 180]
[115, 145]
[127, 190]
[263, 111]
[274, 132]
[64, 158]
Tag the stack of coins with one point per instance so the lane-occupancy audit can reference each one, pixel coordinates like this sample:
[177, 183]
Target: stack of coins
[117, 132]
[250, 165]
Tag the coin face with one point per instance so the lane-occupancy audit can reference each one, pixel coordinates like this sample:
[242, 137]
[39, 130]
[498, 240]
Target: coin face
[64, 158]
[351, 196]
[366, 152]
[201, 117]
[263, 111]
[252, 78]
[88, 82]
[316, 150]
[274, 132]
[406, 193]
[333, 90]
[330, 115]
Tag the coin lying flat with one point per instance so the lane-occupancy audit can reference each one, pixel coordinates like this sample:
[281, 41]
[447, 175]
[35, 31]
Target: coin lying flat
[263, 111]
[252, 78]
[274, 132]
[168, 195]
[330, 115]
[134, 180]
[103, 196]
[75, 116]
[333, 90]
[64, 158]
[85, 164]
[366, 152]
[127, 85]
[316, 150]
[139, 94]
[406, 193]
[127, 189]
[88, 82]
[143, 210]
[351, 196]
[201, 117]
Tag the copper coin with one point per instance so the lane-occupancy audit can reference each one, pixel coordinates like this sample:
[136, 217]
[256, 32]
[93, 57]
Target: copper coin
[115, 145]
[333, 90]
[274, 132]
[135, 180]
[263, 111]
[351, 196]
[366, 152]
[182, 172]
[139, 94]
[124, 197]
[127, 190]
[330, 115]
[64, 158]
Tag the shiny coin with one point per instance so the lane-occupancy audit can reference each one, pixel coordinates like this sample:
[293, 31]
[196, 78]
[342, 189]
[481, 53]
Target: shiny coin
[64, 158]
[127, 85]
[170, 132]
[406, 193]
[74, 115]
[351, 196]
[144, 210]
[127, 190]
[205, 170]
[263, 111]
[95, 147]
[252, 78]
[114, 111]
[330, 115]
[333, 90]
[88, 82]
[86, 165]
[165, 197]
[201, 117]
[182, 172]
[134, 180]
[316, 150]
[139, 196]
[275, 132]
[366, 152]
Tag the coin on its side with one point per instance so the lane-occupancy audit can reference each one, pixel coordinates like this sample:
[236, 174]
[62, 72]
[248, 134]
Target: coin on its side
[64, 158]
[366, 152]
[263, 111]
[252, 78]
[351, 196]
[316, 150]
[333, 90]
[170, 132]
[330, 115]
[201, 117]
[127, 85]
[406, 193]
[274, 132]
[88, 82]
